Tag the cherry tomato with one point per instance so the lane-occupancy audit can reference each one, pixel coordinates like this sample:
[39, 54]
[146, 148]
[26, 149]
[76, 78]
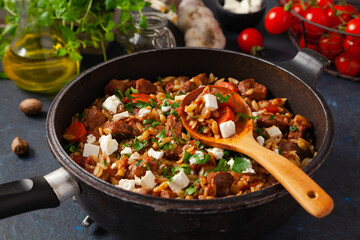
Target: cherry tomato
[325, 3]
[308, 44]
[351, 9]
[226, 114]
[76, 132]
[338, 15]
[352, 45]
[296, 27]
[347, 64]
[272, 108]
[331, 45]
[228, 85]
[316, 15]
[277, 20]
[250, 41]
[353, 26]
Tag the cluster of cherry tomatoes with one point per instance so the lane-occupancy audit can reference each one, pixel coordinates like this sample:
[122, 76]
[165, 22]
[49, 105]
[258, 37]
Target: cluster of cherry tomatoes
[336, 43]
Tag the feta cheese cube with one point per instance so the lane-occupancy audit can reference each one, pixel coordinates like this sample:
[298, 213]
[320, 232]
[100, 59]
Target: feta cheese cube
[143, 112]
[197, 155]
[127, 184]
[112, 103]
[260, 140]
[155, 154]
[134, 156]
[249, 169]
[126, 150]
[217, 152]
[179, 181]
[276, 150]
[179, 98]
[91, 149]
[165, 108]
[227, 129]
[273, 132]
[107, 144]
[231, 163]
[147, 181]
[255, 114]
[113, 166]
[122, 115]
[210, 102]
[90, 139]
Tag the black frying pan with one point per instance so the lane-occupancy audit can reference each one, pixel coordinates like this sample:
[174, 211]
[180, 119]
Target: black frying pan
[133, 215]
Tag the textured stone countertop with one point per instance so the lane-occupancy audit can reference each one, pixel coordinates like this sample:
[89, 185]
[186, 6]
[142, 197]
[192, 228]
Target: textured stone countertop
[339, 175]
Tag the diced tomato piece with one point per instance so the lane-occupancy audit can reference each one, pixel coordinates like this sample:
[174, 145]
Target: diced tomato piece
[139, 97]
[226, 114]
[228, 85]
[76, 132]
[272, 108]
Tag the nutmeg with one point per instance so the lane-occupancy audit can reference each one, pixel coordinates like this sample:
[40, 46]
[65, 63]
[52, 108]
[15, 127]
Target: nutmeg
[19, 146]
[31, 106]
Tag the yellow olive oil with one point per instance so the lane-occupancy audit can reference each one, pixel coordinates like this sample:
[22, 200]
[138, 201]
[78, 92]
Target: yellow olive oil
[32, 63]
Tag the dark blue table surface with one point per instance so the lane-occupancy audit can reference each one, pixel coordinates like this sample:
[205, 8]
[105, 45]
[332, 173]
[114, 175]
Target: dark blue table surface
[339, 175]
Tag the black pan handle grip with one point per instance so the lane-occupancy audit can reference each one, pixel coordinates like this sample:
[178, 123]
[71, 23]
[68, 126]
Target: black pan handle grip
[307, 65]
[36, 193]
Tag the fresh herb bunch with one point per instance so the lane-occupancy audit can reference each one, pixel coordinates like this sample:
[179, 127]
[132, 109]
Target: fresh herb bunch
[74, 19]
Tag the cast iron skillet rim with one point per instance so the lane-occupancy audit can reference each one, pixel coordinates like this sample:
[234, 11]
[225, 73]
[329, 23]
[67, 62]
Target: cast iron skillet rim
[251, 199]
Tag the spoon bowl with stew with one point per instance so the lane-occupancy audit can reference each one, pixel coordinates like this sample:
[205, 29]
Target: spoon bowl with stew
[304, 190]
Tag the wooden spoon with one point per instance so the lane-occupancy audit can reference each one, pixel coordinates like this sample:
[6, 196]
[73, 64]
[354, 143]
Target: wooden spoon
[305, 191]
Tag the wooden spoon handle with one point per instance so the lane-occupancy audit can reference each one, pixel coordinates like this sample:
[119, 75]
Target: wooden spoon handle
[305, 191]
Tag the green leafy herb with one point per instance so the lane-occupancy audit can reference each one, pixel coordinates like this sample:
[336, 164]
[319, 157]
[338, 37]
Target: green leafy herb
[147, 167]
[174, 135]
[141, 104]
[199, 145]
[166, 146]
[187, 156]
[129, 107]
[223, 99]
[72, 147]
[272, 117]
[161, 135]
[259, 132]
[174, 113]
[181, 93]
[201, 129]
[152, 103]
[138, 162]
[281, 151]
[194, 116]
[247, 116]
[190, 190]
[138, 145]
[240, 164]
[134, 90]
[105, 163]
[168, 96]
[175, 105]
[147, 121]
[159, 79]
[293, 128]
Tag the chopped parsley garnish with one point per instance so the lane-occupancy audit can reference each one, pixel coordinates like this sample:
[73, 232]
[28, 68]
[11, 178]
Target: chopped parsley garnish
[134, 90]
[138, 162]
[152, 103]
[223, 99]
[168, 96]
[259, 131]
[175, 105]
[181, 93]
[194, 116]
[174, 135]
[169, 172]
[272, 117]
[222, 166]
[293, 128]
[187, 156]
[105, 163]
[200, 158]
[174, 113]
[147, 121]
[190, 191]
[141, 104]
[247, 116]
[161, 135]
[72, 147]
[128, 155]
[138, 145]
[281, 151]
[159, 79]
[147, 167]
[118, 93]
[199, 145]
[129, 107]
[155, 123]
[201, 129]
[240, 164]
[166, 146]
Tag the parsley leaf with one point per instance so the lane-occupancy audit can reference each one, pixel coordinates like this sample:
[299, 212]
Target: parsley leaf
[133, 90]
[187, 156]
[190, 191]
[147, 121]
[247, 116]
[200, 129]
[240, 164]
[161, 135]
[175, 105]
[138, 162]
[174, 113]
[222, 166]
[293, 128]
[272, 117]
[159, 79]
[281, 151]
[138, 145]
[168, 96]
[141, 104]
[259, 131]
[223, 99]
[152, 103]
[72, 147]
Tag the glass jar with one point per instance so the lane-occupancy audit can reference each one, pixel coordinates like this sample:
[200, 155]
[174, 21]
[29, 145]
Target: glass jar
[31, 59]
[156, 36]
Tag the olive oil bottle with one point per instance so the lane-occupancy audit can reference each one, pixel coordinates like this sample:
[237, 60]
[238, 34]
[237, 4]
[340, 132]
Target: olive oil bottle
[31, 59]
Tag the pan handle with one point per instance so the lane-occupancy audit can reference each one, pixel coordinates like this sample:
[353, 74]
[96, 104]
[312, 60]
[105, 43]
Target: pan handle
[36, 193]
[307, 65]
